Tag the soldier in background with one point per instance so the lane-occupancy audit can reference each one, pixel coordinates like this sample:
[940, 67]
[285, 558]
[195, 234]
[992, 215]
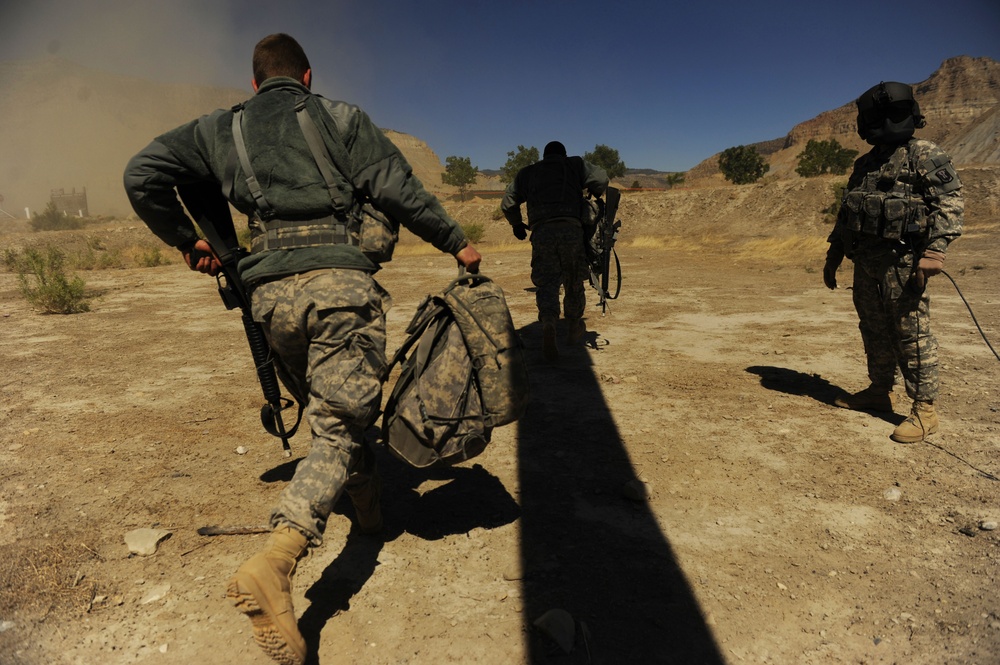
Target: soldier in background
[553, 189]
[902, 207]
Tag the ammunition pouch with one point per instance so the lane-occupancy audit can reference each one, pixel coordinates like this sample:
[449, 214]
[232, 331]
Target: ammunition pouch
[375, 234]
[884, 214]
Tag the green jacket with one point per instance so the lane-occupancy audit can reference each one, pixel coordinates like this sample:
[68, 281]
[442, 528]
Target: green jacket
[203, 150]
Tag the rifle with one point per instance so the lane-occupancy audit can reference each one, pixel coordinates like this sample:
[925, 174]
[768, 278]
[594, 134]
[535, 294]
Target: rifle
[210, 210]
[601, 249]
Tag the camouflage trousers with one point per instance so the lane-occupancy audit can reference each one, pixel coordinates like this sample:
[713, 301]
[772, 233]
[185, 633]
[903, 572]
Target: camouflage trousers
[558, 259]
[895, 324]
[327, 328]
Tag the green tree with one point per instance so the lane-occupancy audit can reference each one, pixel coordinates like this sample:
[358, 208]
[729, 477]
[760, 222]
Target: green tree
[675, 179]
[607, 158]
[821, 157]
[460, 172]
[742, 164]
[517, 160]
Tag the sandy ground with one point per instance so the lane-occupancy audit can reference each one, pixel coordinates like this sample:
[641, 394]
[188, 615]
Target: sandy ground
[777, 529]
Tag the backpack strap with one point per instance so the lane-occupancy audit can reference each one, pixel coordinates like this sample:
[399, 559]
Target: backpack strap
[321, 154]
[264, 208]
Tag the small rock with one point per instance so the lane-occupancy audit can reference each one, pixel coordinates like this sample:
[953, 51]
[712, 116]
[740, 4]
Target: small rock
[559, 626]
[5, 626]
[635, 490]
[892, 494]
[156, 593]
[242, 450]
[988, 525]
[512, 574]
[144, 541]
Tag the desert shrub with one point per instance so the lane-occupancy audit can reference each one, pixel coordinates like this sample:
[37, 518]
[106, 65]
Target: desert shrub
[497, 214]
[474, 231]
[53, 220]
[832, 210]
[43, 282]
[150, 257]
[10, 259]
[97, 259]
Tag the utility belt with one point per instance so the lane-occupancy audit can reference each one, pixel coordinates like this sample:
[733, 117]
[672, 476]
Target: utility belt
[289, 234]
[884, 214]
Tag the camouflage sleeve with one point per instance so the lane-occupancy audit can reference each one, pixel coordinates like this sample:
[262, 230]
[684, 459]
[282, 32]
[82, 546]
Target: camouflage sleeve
[942, 194]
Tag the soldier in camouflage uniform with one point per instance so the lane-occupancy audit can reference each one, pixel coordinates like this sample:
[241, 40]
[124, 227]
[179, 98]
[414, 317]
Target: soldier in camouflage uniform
[902, 208]
[300, 167]
[553, 189]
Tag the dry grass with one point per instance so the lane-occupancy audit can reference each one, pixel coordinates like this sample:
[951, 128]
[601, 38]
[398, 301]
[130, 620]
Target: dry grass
[791, 248]
[46, 580]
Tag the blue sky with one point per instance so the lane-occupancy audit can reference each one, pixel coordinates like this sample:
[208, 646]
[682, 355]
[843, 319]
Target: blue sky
[666, 84]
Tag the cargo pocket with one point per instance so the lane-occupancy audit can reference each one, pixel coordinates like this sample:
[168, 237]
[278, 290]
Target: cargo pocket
[347, 350]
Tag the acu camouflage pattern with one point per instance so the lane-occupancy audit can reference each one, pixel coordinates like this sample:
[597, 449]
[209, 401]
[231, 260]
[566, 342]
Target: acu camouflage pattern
[900, 202]
[329, 329]
[895, 324]
[558, 258]
[464, 374]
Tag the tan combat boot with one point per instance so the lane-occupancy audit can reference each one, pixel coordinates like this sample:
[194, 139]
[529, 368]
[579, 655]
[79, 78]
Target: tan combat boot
[871, 398]
[576, 329]
[367, 500]
[922, 422]
[262, 589]
[549, 349]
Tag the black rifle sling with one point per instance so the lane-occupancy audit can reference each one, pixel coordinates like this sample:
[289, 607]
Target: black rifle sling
[211, 211]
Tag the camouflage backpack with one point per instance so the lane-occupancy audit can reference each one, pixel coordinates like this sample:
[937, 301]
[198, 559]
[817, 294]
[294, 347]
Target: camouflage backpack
[463, 373]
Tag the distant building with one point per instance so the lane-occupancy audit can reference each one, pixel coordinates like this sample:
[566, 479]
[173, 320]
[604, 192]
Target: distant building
[72, 204]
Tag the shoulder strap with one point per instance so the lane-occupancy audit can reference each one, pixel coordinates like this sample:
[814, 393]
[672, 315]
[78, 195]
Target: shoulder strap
[264, 208]
[321, 154]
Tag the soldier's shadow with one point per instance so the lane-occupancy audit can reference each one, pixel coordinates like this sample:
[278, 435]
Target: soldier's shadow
[793, 382]
[427, 503]
[589, 545]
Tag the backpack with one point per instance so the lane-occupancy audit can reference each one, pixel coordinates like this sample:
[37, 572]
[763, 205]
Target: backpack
[463, 373]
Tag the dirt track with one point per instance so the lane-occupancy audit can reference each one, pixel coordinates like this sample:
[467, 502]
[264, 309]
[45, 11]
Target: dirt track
[770, 533]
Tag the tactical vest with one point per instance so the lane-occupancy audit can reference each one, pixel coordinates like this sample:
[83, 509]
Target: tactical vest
[351, 223]
[889, 202]
[554, 190]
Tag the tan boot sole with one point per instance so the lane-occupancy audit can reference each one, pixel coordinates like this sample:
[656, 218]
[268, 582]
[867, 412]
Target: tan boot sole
[266, 633]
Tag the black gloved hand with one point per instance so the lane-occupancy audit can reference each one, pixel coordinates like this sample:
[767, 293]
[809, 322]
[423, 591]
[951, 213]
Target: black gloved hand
[520, 230]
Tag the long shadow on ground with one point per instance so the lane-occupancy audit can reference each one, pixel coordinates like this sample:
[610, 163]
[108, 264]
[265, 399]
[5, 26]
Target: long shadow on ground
[587, 549]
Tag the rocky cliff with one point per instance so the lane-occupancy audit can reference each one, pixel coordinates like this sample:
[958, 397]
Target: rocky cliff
[960, 100]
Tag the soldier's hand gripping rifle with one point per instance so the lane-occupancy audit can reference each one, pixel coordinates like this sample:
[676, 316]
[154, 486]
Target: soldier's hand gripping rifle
[601, 250]
[210, 210]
